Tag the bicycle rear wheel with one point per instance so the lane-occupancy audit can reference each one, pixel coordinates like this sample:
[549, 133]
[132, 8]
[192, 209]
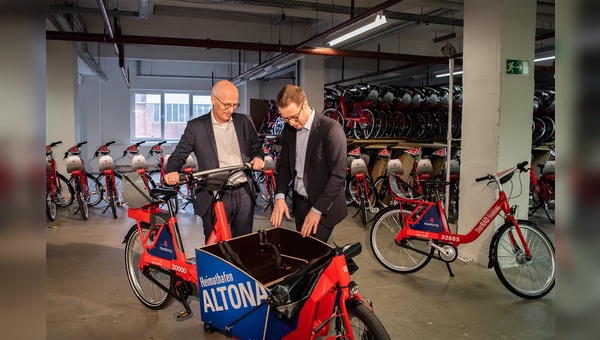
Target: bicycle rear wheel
[65, 194]
[365, 324]
[549, 204]
[150, 294]
[118, 194]
[529, 279]
[393, 256]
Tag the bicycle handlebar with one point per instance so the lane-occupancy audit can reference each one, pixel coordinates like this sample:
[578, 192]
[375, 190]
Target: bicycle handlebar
[55, 144]
[203, 174]
[490, 177]
[74, 149]
[133, 148]
[97, 153]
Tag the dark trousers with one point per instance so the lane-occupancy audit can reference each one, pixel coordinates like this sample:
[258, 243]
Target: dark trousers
[239, 208]
[301, 209]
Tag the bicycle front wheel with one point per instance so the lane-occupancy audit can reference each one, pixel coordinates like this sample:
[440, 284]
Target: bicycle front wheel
[365, 324]
[112, 200]
[529, 279]
[50, 206]
[81, 201]
[396, 257]
[150, 294]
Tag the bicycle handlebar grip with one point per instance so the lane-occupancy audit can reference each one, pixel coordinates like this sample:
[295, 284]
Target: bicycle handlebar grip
[521, 166]
[140, 143]
[55, 143]
[482, 178]
[109, 143]
[82, 143]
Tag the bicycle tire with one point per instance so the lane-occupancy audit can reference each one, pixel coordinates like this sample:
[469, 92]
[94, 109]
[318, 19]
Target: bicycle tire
[95, 190]
[65, 194]
[372, 199]
[110, 192]
[381, 186]
[534, 200]
[391, 255]
[118, 180]
[531, 279]
[81, 201]
[364, 130]
[50, 205]
[149, 294]
[365, 324]
[363, 205]
[514, 271]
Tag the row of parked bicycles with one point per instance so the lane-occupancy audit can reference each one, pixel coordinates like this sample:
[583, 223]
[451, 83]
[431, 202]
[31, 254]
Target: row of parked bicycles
[413, 113]
[89, 190]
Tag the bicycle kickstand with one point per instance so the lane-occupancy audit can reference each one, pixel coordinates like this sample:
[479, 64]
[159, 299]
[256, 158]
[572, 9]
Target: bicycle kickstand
[449, 269]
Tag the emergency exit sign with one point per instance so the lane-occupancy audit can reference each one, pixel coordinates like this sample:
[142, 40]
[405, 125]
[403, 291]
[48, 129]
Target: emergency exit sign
[517, 66]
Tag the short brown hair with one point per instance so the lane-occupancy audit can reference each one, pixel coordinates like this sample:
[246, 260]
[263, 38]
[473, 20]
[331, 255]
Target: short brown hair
[290, 94]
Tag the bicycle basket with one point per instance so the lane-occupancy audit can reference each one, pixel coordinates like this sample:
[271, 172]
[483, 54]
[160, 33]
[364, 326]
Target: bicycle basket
[394, 167]
[135, 193]
[269, 163]
[424, 166]
[549, 168]
[74, 163]
[106, 163]
[358, 166]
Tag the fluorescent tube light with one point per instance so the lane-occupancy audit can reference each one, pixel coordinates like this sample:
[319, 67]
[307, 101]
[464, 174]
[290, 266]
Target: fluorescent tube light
[543, 59]
[379, 20]
[448, 74]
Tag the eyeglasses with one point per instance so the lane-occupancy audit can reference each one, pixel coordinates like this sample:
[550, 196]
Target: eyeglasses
[296, 116]
[228, 105]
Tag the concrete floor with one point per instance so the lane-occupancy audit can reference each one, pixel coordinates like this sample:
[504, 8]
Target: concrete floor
[88, 295]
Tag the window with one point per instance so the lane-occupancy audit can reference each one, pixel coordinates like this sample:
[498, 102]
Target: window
[164, 115]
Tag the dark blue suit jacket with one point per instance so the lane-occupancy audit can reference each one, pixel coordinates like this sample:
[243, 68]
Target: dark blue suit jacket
[199, 138]
[324, 167]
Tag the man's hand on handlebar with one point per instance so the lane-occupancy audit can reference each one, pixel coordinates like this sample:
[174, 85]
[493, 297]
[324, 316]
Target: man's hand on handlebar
[172, 178]
[257, 163]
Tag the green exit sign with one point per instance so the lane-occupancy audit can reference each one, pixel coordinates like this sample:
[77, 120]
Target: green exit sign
[517, 66]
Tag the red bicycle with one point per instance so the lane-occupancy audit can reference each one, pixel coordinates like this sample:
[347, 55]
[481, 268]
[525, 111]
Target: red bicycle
[352, 111]
[285, 287]
[88, 190]
[405, 238]
[109, 178]
[58, 190]
[541, 191]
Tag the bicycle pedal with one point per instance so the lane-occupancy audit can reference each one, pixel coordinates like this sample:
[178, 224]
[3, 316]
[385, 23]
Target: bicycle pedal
[182, 315]
[374, 210]
[466, 261]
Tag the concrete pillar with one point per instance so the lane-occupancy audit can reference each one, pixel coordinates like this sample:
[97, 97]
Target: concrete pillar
[312, 80]
[497, 108]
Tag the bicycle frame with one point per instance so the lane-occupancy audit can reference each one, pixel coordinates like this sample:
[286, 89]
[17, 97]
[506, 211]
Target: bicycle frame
[425, 209]
[331, 293]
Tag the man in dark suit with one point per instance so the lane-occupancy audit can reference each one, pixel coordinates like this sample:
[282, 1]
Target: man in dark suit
[218, 139]
[313, 154]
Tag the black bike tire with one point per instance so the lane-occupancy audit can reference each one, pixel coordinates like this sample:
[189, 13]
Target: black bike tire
[71, 192]
[110, 191]
[371, 327]
[363, 205]
[382, 191]
[142, 286]
[550, 196]
[95, 190]
[387, 238]
[512, 269]
[118, 180]
[81, 201]
[50, 206]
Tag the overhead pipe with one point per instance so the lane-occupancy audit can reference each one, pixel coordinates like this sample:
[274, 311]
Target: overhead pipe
[232, 45]
[107, 23]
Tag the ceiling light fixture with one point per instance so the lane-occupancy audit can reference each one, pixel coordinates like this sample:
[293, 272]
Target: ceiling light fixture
[447, 74]
[543, 59]
[379, 20]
